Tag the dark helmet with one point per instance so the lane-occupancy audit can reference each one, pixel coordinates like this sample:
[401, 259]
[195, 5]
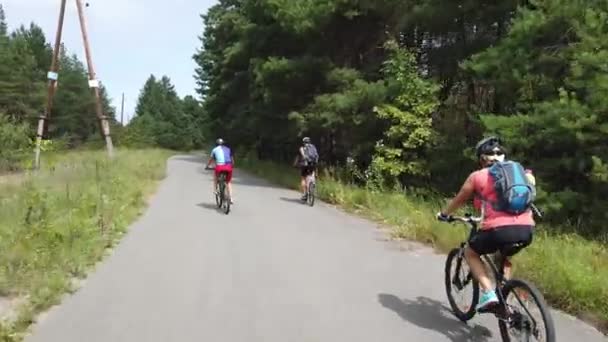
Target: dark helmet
[219, 141]
[488, 145]
[306, 140]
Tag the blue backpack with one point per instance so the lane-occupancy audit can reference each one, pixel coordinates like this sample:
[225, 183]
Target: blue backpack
[514, 192]
[311, 156]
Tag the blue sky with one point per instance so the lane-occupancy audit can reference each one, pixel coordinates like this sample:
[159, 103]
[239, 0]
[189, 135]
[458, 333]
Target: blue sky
[130, 39]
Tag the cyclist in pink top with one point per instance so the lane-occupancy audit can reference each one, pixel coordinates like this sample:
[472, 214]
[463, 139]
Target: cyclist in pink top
[497, 228]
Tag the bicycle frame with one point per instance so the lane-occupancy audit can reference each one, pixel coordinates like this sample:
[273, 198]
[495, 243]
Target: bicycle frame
[310, 179]
[310, 189]
[222, 184]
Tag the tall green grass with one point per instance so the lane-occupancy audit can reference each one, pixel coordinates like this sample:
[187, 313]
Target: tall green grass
[571, 272]
[56, 223]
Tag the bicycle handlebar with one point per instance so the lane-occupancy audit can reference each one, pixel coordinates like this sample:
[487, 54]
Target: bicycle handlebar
[467, 218]
[473, 220]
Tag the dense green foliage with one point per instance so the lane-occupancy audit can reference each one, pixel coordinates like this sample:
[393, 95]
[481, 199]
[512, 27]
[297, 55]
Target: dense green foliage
[551, 75]
[14, 141]
[533, 72]
[410, 131]
[163, 119]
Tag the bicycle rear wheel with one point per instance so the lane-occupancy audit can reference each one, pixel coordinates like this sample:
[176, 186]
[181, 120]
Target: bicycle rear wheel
[311, 193]
[218, 199]
[227, 205]
[219, 196]
[225, 197]
[457, 278]
[519, 321]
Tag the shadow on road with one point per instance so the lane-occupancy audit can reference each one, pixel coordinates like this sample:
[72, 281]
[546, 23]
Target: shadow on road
[292, 200]
[210, 206]
[433, 315]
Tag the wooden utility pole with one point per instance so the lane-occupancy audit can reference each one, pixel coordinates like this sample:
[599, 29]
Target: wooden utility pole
[94, 83]
[52, 84]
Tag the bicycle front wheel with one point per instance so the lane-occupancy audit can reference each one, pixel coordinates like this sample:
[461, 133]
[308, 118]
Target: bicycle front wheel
[459, 281]
[520, 325]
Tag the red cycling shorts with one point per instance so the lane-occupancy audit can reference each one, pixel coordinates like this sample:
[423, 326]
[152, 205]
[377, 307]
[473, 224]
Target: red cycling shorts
[224, 168]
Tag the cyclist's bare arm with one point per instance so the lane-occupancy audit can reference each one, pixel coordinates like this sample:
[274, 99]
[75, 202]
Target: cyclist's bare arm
[466, 192]
[299, 156]
[211, 159]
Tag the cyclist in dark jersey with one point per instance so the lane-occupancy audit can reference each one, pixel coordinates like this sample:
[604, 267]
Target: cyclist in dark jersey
[306, 169]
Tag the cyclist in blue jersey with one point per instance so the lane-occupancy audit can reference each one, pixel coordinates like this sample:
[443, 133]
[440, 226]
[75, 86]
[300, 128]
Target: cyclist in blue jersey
[224, 162]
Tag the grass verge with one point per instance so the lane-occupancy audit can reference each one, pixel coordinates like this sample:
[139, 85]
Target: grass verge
[57, 223]
[571, 272]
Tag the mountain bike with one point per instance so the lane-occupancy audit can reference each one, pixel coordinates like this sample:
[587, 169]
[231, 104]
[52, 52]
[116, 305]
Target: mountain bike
[222, 199]
[510, 319]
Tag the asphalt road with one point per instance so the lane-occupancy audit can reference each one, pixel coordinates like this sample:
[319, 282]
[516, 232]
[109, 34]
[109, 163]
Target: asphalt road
[272, 270]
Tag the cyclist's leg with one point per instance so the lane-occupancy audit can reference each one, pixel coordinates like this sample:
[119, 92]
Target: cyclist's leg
[478, 268]
[303, 176]
[482, 243]
[229, 182]
[215, 175]
[508, 267]
[313, 175]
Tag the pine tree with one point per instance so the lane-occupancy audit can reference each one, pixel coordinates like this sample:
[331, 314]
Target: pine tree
[21, 89]
[3, 24]
[37, 44]
[549, 75]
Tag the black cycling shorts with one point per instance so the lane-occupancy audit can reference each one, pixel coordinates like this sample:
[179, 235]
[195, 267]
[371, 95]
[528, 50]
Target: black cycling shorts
[306, 171]
[490, 241]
